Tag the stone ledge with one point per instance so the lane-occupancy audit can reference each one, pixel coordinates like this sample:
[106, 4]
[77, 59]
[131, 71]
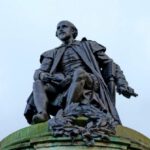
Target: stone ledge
[38, 137]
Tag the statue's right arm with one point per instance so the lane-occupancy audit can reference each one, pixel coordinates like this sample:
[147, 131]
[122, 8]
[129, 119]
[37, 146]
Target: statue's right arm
[46, 60]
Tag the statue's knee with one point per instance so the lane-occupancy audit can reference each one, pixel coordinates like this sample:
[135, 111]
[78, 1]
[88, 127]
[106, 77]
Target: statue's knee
[79, 74]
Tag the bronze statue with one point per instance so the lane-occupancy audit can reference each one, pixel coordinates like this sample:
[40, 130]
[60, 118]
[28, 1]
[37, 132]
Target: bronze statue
[76, 72]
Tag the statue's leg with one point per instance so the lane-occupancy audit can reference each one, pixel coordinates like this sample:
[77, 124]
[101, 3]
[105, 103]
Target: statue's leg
[79, 80]
[40, 101]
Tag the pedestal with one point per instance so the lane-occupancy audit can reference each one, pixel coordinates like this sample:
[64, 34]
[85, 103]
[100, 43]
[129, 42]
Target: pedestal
[37, 137]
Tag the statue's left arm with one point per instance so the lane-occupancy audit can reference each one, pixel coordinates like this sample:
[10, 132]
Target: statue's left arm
[111, 69]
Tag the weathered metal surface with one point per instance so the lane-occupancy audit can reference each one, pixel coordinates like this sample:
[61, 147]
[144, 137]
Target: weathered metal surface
[37, 137]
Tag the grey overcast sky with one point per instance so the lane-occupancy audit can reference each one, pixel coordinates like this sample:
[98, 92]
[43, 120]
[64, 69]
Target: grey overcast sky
[27, 28]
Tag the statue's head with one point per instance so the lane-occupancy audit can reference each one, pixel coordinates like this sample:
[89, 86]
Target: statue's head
[66, 30]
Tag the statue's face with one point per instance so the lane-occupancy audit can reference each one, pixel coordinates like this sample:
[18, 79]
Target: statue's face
[64, 31]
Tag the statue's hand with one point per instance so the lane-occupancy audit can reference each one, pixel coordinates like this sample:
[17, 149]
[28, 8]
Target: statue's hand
[64, 83]
[126, 91]
[55, 79]
[45, 77]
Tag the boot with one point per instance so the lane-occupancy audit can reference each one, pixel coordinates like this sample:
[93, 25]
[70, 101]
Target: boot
[40, 117]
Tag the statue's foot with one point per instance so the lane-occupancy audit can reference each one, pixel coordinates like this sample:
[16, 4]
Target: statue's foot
[40, 117]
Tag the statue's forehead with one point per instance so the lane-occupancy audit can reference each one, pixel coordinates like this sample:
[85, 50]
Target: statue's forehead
[64, 23]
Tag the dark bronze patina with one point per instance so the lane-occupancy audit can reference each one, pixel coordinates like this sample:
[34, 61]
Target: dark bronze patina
[77, 81]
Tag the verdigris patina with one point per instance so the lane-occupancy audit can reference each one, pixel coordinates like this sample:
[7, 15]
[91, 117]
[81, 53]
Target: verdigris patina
[76, 83]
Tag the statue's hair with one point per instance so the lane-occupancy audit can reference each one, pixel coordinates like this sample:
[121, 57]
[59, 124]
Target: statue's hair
[75, 30]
